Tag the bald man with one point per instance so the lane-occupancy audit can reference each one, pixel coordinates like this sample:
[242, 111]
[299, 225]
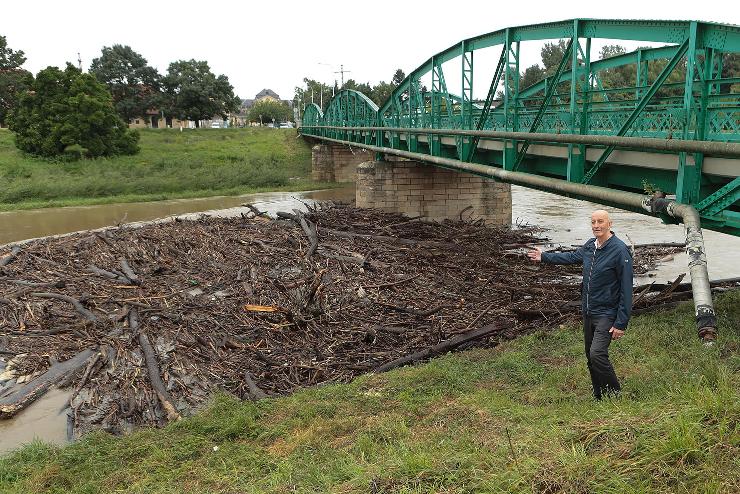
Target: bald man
[606, 296]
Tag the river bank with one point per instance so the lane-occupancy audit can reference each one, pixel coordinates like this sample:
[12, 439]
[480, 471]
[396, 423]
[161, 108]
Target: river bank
[171, 164]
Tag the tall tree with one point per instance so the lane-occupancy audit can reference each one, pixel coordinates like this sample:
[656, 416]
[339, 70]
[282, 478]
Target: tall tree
[551, 55]
[363, 87]
[133, 84]
[13, 79]
[193, 92]
[70, 113]
[531, 75]
[314, 92]
[270, 111]
[398, 77]
[381, 92]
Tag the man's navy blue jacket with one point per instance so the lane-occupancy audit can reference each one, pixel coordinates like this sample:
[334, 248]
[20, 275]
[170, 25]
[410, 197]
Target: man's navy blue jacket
[607, 278]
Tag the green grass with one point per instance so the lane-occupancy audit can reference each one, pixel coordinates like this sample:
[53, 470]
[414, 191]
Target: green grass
[171, 164]
[518, 418]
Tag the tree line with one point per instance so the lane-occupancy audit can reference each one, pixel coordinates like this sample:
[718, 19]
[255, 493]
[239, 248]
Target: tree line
[321, 94]
[68, 112]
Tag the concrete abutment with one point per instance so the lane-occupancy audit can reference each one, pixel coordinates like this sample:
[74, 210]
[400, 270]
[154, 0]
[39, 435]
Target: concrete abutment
[336, 163]
[419, 189]
[411, 187]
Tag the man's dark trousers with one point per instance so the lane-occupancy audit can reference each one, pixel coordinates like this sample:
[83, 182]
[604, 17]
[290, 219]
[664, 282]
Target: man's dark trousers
[597, 337]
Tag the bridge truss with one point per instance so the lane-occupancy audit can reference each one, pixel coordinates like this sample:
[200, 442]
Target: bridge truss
[674, 128]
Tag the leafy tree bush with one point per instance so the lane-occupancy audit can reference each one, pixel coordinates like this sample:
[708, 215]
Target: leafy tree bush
[68, 111]
[13, 79]
[193, 92]
[133, 84]
[269, 111]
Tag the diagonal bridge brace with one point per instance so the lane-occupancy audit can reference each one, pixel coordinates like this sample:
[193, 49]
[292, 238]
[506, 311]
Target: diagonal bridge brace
[489, 102]
[548, 96]
[662, 77]
[721, 199]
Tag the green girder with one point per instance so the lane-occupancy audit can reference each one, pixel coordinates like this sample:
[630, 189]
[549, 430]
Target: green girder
[705, 105]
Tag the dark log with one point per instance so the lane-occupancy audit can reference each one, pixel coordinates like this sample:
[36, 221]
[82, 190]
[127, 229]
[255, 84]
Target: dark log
[156, 379]
[10, 257]
[126, 268]
[287, 216]
[17, 401]
[254, 210]
[255, 393]
[311, 232]
[665, 293]
[110, 275]
[76, 303]
[152, 367]
[446, 346]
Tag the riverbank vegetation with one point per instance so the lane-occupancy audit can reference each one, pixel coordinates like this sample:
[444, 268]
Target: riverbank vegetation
[171, 164]
[515, 418]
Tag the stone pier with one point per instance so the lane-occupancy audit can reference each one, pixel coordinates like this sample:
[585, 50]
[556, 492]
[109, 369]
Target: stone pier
[336, 162]
[415, 189]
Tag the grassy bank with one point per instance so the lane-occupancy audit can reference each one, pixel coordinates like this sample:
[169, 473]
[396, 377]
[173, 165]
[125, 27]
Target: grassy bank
[518, 418]
[171, 164]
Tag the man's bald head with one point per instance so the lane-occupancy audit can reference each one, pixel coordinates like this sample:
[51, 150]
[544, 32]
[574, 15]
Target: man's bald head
[601, 213]
[601, 225]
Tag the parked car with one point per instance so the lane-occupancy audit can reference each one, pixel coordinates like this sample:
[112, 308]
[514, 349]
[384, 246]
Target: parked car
[286, 125]
[215, 125]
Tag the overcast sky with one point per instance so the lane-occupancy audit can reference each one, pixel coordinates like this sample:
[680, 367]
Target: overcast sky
[274, 44]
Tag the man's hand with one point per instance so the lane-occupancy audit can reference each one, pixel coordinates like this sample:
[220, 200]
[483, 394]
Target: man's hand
[535, 254]
[616, 333]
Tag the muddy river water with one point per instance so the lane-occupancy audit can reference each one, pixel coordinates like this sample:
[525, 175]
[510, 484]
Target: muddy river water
[567, 221]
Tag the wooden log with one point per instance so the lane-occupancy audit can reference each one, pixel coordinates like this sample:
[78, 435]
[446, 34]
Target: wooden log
[311, 232]
[126, 268]
[287, 216]
[254, 209]
[76, 303]
[109, 274]
[255, 393]
[20, 399]
[446, 346]
[10, 257]
[152, 367]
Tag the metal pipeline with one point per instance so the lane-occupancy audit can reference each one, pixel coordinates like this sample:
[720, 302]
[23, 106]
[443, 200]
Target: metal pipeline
[706, 321]
[710, 148]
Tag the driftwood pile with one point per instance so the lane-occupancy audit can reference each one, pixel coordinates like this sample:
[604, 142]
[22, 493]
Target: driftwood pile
[143, 324]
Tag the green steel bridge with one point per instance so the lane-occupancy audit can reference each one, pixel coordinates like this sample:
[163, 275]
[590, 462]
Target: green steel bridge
[676, 129]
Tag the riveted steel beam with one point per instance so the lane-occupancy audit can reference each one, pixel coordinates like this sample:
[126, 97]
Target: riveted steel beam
[639, 108]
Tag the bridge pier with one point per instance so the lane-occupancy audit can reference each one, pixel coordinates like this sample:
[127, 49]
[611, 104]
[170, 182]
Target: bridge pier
[336, 162]
[415, 189]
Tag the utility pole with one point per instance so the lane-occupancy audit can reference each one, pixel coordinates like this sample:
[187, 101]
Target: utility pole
[342, 71]
[79, 61]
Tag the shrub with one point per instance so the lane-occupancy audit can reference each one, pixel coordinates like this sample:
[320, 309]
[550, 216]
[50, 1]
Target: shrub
[68, 113]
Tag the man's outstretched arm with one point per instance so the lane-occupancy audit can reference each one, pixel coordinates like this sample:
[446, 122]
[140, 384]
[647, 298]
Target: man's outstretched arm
[575, 257]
